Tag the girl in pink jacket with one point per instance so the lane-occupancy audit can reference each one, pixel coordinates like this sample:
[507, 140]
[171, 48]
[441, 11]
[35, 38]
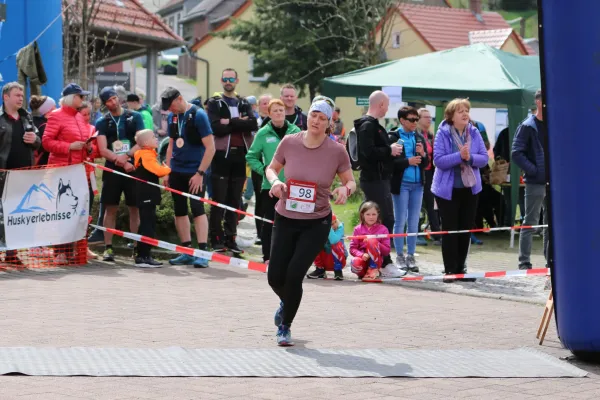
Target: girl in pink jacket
[368, 254]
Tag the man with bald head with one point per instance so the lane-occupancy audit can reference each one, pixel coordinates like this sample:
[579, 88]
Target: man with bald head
[375, 156]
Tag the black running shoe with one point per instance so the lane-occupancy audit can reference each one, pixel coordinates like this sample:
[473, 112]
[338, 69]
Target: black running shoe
[219, 248]
[232, 246]
[338, 275]
[318, 273]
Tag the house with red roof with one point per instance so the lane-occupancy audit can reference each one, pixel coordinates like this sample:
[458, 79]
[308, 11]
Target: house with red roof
[123, 30]
[419, 29]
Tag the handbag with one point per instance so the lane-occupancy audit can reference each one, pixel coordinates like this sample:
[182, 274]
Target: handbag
[499, 172]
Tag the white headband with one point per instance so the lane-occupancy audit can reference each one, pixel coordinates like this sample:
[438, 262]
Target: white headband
[47, 106]
[323, 107]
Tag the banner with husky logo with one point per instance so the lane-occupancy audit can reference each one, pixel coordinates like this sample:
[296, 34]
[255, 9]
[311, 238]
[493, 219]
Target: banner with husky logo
[44, 207]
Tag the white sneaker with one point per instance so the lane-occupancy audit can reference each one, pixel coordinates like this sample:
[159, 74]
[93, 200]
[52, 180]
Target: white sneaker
[392, 271]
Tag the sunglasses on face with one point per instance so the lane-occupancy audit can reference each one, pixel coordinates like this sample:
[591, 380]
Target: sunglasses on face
[230, 80]
[412, 119]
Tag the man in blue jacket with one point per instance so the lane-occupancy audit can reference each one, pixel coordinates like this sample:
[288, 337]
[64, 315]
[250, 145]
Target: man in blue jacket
[528, 154]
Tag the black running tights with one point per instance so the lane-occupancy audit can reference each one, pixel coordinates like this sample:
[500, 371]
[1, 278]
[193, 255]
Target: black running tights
[294, 246]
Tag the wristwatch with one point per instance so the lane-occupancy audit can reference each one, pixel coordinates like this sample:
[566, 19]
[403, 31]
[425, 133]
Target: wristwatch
[201, 173]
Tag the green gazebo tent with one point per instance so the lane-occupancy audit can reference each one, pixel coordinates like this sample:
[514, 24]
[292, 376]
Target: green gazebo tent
[487, 76]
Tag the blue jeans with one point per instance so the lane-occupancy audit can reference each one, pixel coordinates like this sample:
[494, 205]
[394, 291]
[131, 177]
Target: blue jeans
[407, 209]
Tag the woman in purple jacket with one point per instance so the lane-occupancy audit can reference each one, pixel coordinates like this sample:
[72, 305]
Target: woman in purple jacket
[458, 153]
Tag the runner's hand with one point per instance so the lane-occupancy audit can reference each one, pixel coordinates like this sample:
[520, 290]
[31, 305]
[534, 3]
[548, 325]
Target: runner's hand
[340, 194]
[366, 257]
[224, 121]
[128, 167]
[195, 184]
[165, 181]
[278, 189]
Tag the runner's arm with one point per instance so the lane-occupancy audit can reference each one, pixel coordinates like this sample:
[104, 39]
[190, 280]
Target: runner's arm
[347, 178]
[209, 152]
[273, 170]
[169, 152]
[139, 126]
[103, 149]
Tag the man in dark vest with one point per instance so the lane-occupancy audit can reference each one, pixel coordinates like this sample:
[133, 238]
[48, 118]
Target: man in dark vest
[116, 142]
[232, 121]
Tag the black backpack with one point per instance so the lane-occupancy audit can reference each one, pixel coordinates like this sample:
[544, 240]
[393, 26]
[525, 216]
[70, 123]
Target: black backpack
[352, 149]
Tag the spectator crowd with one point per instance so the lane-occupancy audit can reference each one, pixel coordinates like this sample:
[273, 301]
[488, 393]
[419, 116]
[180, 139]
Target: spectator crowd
[229, 146]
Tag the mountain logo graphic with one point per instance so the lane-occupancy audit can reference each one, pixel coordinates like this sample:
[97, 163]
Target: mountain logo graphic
[32, 201]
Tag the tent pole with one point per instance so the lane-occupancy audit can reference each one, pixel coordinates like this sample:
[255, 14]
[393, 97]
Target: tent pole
[516, 114]
[439, 116]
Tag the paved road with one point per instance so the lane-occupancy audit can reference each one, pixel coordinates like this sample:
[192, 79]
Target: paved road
[188, 90]
[224, 307]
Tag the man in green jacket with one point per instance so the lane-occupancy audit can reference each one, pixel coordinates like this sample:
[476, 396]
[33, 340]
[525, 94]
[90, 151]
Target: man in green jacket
[259, 157]
[134, 104]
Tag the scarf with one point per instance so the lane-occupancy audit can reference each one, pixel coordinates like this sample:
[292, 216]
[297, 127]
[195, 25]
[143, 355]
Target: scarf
[466, 171]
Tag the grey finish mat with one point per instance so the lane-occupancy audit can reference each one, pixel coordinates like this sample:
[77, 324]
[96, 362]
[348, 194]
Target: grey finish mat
[279, 362]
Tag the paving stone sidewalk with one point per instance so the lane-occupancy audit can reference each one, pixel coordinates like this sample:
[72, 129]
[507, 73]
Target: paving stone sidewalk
[118, 305]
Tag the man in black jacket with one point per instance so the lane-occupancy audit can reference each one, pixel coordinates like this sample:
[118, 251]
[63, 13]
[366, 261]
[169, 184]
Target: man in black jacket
[232, 121]
[528, 154]
[18, 139]
[375, 157]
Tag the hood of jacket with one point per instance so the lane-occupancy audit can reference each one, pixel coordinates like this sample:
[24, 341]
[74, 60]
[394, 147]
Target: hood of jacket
[364, 119]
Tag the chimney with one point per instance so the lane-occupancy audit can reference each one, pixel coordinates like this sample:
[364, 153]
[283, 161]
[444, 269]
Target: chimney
[476, 8]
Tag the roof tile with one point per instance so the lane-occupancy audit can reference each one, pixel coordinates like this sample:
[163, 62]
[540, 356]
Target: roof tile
[447, 28]
[492, 37]
[130, 17]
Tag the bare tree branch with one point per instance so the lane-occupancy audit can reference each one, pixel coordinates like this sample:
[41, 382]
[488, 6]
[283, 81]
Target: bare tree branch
[320, 67]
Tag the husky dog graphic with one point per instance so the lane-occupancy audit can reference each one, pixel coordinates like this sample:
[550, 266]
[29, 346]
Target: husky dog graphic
[65, 199]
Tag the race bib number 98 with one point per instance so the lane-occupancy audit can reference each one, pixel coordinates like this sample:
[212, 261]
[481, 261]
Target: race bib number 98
[302, 197]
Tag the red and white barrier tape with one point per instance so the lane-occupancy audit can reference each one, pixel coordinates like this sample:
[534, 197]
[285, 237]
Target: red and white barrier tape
[476, 275]
[216, 257]
[260, 267]
[191, 196]
[393, 235]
